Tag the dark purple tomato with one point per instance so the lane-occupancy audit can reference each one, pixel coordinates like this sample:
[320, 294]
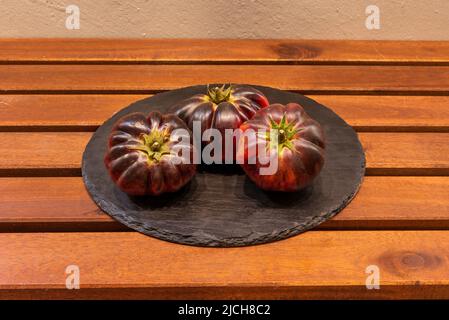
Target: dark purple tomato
[221, 108]
[298, 148]
[148, 155]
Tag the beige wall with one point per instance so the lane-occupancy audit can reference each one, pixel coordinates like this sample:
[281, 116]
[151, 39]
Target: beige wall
[319, 19]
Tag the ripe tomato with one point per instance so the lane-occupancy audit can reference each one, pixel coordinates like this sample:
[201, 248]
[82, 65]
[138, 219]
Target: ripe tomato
[221, 108]
[298, 147]
[143, 155]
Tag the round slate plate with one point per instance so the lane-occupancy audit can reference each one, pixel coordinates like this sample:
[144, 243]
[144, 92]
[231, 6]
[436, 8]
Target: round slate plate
[221, 207]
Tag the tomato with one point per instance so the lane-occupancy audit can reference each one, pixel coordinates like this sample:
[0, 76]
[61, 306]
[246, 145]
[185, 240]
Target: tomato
[298, 146]
[221, 108]
[147, 156]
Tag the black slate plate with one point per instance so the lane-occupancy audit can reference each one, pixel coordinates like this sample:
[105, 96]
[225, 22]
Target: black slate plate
[221, 207]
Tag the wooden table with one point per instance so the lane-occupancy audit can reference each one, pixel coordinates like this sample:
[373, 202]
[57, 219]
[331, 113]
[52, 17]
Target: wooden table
[55, 93]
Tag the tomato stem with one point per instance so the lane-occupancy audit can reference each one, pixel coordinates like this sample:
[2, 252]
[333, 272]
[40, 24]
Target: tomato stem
[285, 133]
[154, 145]
[219, 94]
[282, 136]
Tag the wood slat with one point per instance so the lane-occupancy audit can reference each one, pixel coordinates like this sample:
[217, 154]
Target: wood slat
[151, 78]
[386, 153]
[49, 153]
[87, 112]
[223, 51]
[317, 264]
[391, 113]
[406, 153]
[63, 204]
[60, 112]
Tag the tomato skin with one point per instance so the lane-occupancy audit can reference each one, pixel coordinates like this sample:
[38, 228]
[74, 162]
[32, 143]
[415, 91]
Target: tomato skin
[299, 163]
[140, 154]
[224, 108]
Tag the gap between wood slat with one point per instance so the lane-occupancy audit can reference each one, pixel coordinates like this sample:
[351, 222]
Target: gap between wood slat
[152, 92]
[76, 172]
[235, 63]
[92, 128]
[303, 92]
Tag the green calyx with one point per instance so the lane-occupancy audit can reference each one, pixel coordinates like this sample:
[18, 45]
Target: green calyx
[285, 133]
[219, 94]
[155, 145]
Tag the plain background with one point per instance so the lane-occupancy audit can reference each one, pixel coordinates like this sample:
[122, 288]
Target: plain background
[319, 19]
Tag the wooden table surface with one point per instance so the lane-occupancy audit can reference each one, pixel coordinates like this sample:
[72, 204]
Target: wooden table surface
[55, 93]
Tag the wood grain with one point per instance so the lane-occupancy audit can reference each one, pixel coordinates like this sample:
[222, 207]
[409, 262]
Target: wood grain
[50, 153]
[64, 205]
[376, 86]
[412, 264]
[406, 153]
[153, 78]
[390, 113]
[60, 112]
[69, 112]
[223, 51]
[57, 153]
